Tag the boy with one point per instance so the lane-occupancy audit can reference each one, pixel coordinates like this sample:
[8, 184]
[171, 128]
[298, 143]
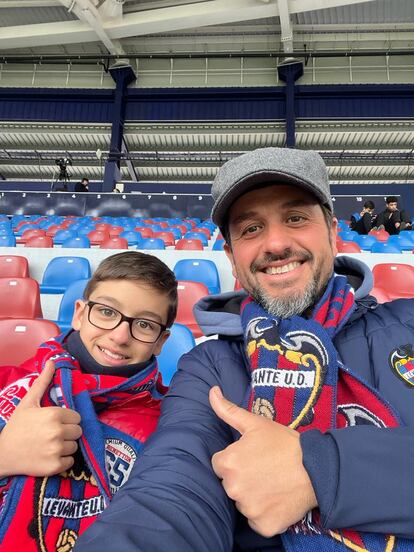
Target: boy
[72, 434]
[367, 219]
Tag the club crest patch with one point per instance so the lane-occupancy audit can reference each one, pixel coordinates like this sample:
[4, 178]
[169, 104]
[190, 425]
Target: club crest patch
[120, 458]
[402, 363]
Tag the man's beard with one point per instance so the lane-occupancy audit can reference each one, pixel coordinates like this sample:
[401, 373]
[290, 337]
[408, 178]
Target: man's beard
[293, 303]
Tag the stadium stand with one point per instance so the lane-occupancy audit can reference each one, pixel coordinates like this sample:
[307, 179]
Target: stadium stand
[180, 341]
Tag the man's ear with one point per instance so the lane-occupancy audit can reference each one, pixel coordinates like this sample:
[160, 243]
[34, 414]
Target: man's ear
[160, 343]
[78, 314]
[228, 251]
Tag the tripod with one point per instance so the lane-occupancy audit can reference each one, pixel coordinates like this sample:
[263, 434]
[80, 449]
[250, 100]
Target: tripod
[59, 184]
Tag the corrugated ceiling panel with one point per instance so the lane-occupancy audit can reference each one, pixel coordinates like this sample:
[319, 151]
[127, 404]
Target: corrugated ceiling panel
[32, 16]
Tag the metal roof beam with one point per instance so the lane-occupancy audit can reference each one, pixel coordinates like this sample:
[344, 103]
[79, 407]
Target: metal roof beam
[286, 31]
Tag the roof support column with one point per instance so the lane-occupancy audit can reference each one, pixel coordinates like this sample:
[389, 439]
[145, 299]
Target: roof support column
[123, 75]
[290, 71]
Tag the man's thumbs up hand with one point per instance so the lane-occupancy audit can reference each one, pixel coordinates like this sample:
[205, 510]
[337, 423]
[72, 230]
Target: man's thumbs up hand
[262, 471]
[39, 441]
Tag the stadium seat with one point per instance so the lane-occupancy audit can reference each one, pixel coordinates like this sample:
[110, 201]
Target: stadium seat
[348, 247]
[189, 244]
[380, 295]
[19, 298]
[167, 237]
[39, 241]
[63, 235]
[347, 235]
[14, 266]
[31, 233]
[21, 337]
[77, 242]
[365, 241]
[152, 243]
[96, 237]
[218, 245]
[385, 247]
[188, 294]
[114, 243]
[62, 271]
[381, 235]
[199, 270]
[401, 241]
[7, 240]
[114, 231]
[144, 231]
[197, 236]
[396, 280]
[180, 341]
[67, 304]
[132, 237]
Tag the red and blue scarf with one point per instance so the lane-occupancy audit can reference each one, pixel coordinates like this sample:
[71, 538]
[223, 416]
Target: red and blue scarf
[298, 380]
[47, 514]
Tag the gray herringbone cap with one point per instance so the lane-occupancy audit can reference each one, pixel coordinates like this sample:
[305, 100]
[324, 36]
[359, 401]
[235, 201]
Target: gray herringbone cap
[269, 165]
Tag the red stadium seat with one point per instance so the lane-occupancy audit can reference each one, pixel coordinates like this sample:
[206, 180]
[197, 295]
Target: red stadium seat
[114, 243]
[396, 280]
[167, 237]
[31, 233]
[105, 226]
[237, 285]
[14, 266]
[380, 295]
[381, 235]
[114, 231]
[348, 247]
[21, 338]
[19, 298]
[39, 241]
[189, 244]
[145, 231]
[188, 294]
[96, 237]
[51, 231]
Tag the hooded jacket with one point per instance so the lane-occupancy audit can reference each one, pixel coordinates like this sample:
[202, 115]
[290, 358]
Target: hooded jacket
[362, 475]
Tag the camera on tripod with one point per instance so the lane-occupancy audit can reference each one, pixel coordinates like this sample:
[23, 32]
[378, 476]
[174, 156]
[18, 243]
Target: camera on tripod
[63, 163]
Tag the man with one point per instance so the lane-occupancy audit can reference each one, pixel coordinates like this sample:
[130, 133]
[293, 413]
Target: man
[71, 434]
[392, 219]
[83, 185]
[299, 444]
[367, 219]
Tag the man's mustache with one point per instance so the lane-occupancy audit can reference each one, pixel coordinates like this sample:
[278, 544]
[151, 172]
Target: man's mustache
[260, 264]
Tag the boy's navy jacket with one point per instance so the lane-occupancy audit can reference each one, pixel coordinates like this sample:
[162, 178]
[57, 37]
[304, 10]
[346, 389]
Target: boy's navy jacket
[363, 476]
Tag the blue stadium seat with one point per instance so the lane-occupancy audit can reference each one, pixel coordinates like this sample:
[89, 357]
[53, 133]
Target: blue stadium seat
[132, 237]
[365, 241]
[348, 235]
[385, 247]
[199, 270]
[62, 235]
[400, 240]
[218, 245]
[180, 342]
[77, 242]
[152, 243]
[197, 236]
[62, 271]
[67, 304]
[7, 240]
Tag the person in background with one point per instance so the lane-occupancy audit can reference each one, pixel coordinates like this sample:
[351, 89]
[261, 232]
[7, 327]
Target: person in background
[82, 186]
[367, 219]
[392, 219]
[75, 422]
[294, 430]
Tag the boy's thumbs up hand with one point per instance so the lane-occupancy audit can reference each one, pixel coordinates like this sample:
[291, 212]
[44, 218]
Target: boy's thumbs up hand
[262, 471]
[39, 441]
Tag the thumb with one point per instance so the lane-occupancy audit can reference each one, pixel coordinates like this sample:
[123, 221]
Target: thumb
[39, 387]
[236, 417]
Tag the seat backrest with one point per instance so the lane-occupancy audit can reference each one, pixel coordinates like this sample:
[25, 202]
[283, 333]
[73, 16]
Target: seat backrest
[152, 243]
[397, 279]
[199, 270]
[384, 247]
[188, 294]
[39, 241]
[189, 244]
[14, 266]
[98, 236]
[67, 304]
[7, 241]
[19, 298]
[21, 337]
[114, 243]
[81, 242]
[180, 341]
[62, 271]
[348, 247]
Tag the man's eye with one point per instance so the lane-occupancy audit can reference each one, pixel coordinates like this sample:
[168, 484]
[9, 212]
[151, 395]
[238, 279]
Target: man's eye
[296, 218]
[251, 229]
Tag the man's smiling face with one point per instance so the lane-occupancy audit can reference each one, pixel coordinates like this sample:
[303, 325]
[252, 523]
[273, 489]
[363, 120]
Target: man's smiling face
[281, 249]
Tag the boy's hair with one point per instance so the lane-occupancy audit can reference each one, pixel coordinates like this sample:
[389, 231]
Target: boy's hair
[391, 199]
[369, 204]
[133, 265]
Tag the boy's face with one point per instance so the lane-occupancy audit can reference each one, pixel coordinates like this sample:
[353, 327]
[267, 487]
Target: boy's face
[117, 347]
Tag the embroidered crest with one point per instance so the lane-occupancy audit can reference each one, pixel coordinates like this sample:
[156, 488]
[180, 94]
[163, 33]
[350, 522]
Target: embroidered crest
[120, 458]
[402, 363]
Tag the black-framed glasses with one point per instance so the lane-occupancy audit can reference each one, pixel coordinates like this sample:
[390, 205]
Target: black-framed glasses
[105, 317]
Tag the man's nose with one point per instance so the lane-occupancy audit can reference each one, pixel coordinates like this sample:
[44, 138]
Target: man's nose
[276, 239]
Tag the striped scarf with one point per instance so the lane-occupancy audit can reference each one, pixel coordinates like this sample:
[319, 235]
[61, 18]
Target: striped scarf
[297, 380]
[45, 514]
